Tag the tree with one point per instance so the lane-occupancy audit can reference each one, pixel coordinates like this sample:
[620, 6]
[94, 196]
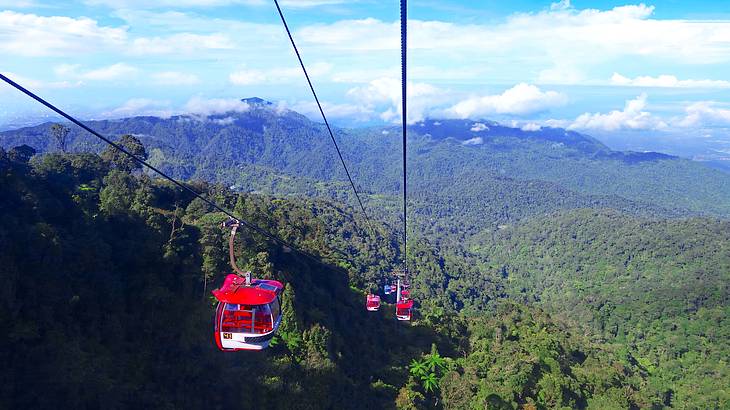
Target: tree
[430, 382]
[418, 368]
[118, 192]
[434, 361]
[21, 153]
[122, 161]
[60, 135]
[4, 160]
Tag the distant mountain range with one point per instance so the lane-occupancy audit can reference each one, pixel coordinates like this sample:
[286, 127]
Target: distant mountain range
[473, 174]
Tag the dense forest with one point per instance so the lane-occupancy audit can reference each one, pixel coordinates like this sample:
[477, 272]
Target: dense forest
[535, 287]
[105, 302]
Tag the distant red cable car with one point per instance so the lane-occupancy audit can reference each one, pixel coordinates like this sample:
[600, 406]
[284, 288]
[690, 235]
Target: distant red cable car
[372, 303]
[249, 311]
[403, 305]
[404, 310]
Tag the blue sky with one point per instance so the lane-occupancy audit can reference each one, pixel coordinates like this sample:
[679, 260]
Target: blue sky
[601, 67]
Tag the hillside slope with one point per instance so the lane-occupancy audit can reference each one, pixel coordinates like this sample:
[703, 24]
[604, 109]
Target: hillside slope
[105, 303]
[448, 158]
[659, 288]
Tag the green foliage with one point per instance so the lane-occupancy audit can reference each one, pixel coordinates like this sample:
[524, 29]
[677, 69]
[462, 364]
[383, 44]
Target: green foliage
[59, 133]
[110, 309]
[637, 297]
[657, 287]
[122, 161]
[521, 358]
[21, 153]
[118, 192]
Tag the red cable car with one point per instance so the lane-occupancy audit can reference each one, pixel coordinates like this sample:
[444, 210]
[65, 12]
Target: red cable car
[372, 303]
[247, 315]
[403, 304]
[249, 311]
[404, 310]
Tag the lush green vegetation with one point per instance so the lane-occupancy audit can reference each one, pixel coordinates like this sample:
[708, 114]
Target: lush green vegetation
[660, 289]
[551, 272]
[105, 303]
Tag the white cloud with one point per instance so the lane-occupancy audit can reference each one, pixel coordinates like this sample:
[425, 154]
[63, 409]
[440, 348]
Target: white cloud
[522, 99]
[109, 73]
[561, 45]
[356, 112]
[225, 121]
[182, 43]
[174, 78]
[668, 81]
[141, 107]
[277, 75]
[561, 5]
[705, 113]
[422, 98]
[531, 126]
[31, 35]
[633, 117]
[144, 4]
[474, 141]
[34, 84]
[556, 123]
[18, 4]
[206, 107]
[113, 72]
[478, 127]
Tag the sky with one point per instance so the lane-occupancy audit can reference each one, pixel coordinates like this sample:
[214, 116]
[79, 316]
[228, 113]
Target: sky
[601, 67]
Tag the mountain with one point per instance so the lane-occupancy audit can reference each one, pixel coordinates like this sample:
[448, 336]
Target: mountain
[475, 174]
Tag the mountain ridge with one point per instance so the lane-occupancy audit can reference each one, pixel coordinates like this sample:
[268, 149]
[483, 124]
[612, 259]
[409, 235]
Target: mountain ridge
[455, 155]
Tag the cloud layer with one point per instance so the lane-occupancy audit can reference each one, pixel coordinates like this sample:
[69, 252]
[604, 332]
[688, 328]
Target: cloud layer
[632, 117]
[522, 99]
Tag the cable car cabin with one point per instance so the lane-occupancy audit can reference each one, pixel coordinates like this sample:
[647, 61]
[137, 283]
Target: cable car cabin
[373, 303]
[247, 317]
[403, 310]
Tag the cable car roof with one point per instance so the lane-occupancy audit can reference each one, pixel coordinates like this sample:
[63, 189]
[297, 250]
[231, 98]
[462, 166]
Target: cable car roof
[405, 305]
[234, 290]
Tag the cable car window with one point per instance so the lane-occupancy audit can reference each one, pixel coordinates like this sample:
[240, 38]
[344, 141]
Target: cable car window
[266, 286]
[275, 308]
[262, 320]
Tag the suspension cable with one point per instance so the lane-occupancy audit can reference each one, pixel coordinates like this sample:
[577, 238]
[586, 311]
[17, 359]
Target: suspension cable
[324, 117]
[169, 178]
[404, 91]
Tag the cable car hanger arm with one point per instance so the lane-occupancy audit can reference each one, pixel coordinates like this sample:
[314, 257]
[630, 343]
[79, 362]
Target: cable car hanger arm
[234, 224]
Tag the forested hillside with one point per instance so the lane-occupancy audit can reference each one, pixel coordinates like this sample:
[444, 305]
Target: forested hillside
[457, 168]
[660, 289]
[105, 303]
[548, 271]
